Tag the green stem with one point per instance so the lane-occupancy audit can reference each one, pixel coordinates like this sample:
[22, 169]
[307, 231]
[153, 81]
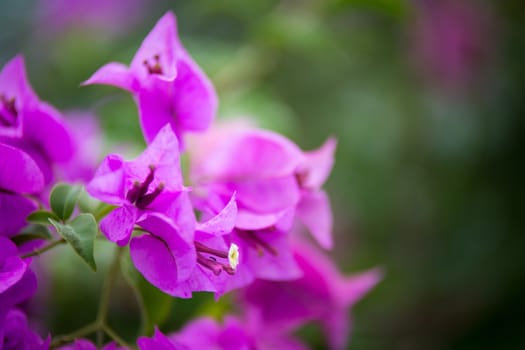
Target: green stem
[81, 332]
[100, 325]
[44, 248]
[109, 280]
[113, 335]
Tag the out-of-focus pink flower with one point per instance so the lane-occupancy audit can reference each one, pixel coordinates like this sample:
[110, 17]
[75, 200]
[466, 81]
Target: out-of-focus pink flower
[272, 177]
[15, 334]
[168, 86]
[108, 17]
[87, 147]
[232, 334]
[451, 40]
[322, 294]
[274, 182]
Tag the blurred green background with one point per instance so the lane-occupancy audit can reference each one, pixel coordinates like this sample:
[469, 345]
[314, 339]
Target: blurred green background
[426, 99]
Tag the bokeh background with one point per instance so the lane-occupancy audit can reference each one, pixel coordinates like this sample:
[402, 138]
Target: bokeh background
[425, 97]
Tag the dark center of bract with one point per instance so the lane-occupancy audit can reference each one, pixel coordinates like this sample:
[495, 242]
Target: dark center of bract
[256, 242]
[139, 195]
[8, 112]
[156, 67]
[207, 257]
[301, 177]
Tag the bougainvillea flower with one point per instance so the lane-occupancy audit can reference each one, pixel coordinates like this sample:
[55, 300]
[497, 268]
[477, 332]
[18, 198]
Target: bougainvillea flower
[166, 83]
[150, 183]
[30, 124]
[15, 334]
[19, 174]
[322, 294]
[232, 334]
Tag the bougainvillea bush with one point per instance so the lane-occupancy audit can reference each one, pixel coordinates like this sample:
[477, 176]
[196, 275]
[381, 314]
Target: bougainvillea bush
[246, 217]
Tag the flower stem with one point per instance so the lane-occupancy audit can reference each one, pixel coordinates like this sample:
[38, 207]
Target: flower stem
[100, 324]
[44, 248]
[113, 335]
[107, 286]
[81, 332]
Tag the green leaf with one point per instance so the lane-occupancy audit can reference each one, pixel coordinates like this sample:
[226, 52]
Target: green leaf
[155, 306]
[80, 234]
[42, 217]
[32, 232]
[63, 199]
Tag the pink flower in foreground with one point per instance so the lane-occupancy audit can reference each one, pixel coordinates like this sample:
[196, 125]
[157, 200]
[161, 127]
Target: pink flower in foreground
[148, 192]
[322, 294]
[166, 83]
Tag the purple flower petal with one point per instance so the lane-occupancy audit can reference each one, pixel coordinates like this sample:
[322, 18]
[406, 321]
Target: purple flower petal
[353, 288]
[163, 153]
[18, 171]
[277, 265]
[14, 210]
[317, 165]
[180, 248]
[159, 342]
[154, 260]
[44, 127]
[247, 220]
[118, 225]
[162, 41]
[116, 74]
[12, 268]
[23, 290]
[245, 153]
[176, 206]
[108, 183]
[195, 99]
[315, 212]
[11, 272]
[156, 110]
[223, 222]
[267, 195]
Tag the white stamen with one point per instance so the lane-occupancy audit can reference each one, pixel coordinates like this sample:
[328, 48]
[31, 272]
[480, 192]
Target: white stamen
[233, 256]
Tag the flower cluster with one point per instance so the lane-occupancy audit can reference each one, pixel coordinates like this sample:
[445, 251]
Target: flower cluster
[233, 221]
